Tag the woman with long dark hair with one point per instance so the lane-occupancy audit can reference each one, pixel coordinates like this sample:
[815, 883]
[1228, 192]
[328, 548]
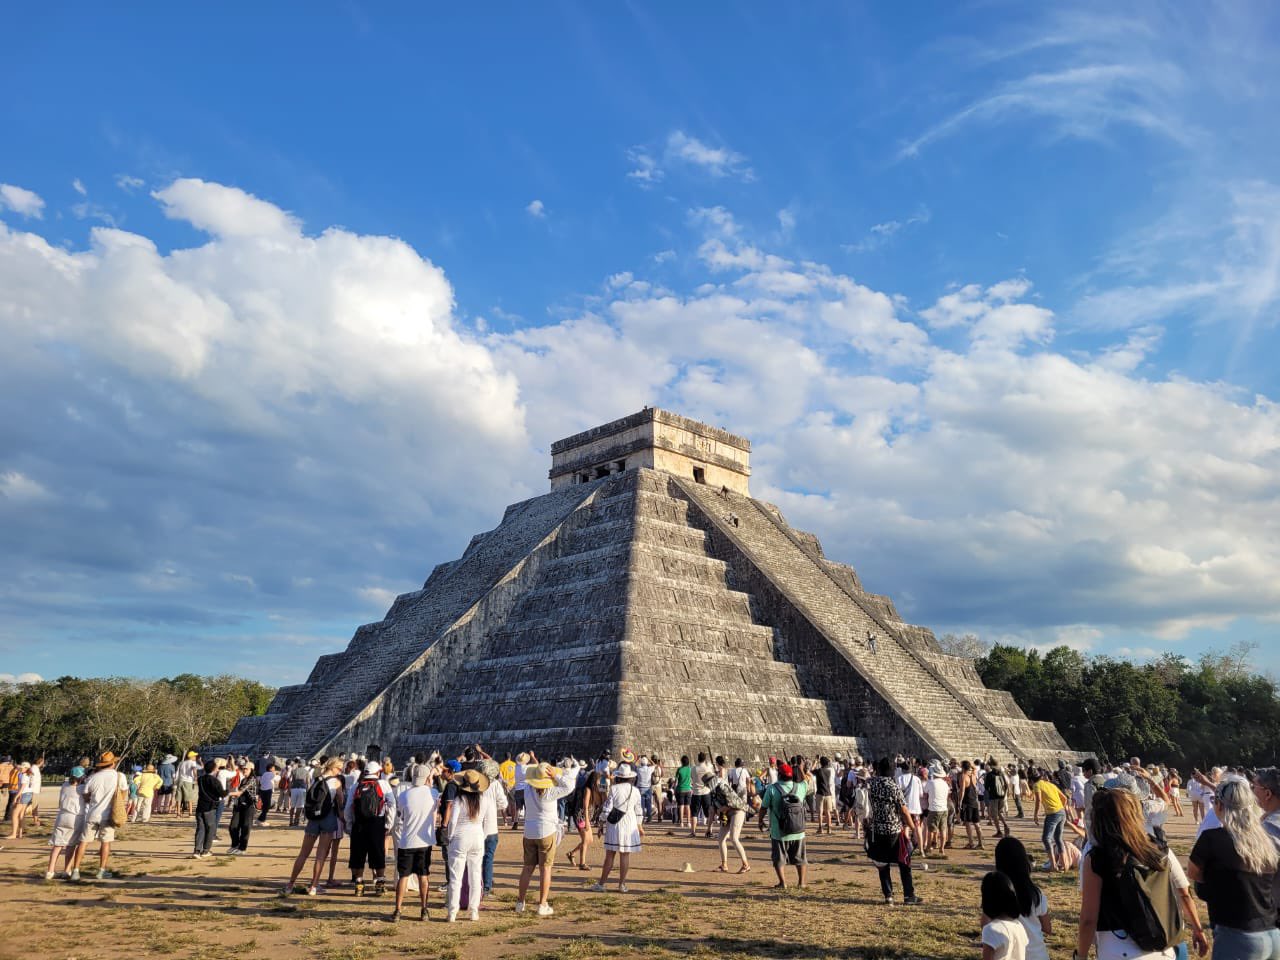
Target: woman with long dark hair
[588, 800]
[1033, 906]
[1122, 854]
[1235, 865]
[465, 829]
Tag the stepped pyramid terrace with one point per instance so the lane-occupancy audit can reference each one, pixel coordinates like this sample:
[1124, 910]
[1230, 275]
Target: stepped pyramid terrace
[647, 601]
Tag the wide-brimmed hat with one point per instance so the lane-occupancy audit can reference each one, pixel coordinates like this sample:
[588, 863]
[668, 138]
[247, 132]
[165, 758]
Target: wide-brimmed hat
[522, 758]
[541, 776]
[625, 772]
[169, 758]
[471, 781]
[108, 759]
[627, 755]
[936, 769]
[24, 765]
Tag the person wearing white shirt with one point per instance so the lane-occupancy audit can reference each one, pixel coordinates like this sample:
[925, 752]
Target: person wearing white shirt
[415, 836]
[266, 787]
[99, 793]
[912, 791]
[544, 785]
[938, 791]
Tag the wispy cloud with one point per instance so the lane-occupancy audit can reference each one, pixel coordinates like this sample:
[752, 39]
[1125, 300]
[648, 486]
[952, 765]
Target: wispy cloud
[882, 233]
[129, 184]
[78, 186]
[649, 167]
[717, 161]
[1086, 76]
[26, 203]
[536, 209]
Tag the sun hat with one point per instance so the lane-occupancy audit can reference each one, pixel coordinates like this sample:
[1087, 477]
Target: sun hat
[936, 769]
[453, 765]
[627, 755]
[372, 769]
[169, 758]
[471, 781]
[625, 772]
[1123, 781]
[108, 759]
[541, 776]
[77, 772]
[24, 765]
[522, 758]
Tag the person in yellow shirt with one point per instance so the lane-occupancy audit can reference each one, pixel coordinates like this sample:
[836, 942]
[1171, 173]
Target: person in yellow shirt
[148, 782]
[1046, 792]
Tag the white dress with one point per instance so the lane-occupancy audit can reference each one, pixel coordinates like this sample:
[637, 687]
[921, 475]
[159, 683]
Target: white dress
[623, 836]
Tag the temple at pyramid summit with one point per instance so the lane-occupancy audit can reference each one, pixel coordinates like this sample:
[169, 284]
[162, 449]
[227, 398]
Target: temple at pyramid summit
[646, 601]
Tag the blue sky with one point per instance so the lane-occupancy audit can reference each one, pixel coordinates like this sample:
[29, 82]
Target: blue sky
[296, 304]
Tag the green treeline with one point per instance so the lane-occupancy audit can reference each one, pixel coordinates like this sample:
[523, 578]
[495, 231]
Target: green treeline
[1216, 710]
[139, 720]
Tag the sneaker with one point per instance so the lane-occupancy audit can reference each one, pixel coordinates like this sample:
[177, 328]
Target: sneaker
[234, 851]
[74, 877]
[597, 888]
[359, 888]
[105, 875]
[913, 901]
[452, 917]
[622, 888]
[379, 888]
[196, 856]
[395, 916]
[311, 891]
[888, 901]
[49, 875]
[287, 890]
[475, 914]
[519, 906]
[424, 916]
[544, 910]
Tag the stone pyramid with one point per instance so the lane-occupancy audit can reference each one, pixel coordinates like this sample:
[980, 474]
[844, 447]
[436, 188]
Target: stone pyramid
[646, 601]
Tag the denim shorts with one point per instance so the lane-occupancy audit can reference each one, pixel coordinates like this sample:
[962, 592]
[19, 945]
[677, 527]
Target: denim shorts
[327, 824]
[1232, 944]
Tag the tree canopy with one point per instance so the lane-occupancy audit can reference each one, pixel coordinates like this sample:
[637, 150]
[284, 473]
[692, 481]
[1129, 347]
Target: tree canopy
[136, 719]
[1190, 714]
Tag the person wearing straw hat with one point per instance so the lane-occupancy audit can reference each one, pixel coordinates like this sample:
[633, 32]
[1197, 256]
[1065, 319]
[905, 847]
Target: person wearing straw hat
[99, 792]
[623, 830]
[544, 785]
[465, 828]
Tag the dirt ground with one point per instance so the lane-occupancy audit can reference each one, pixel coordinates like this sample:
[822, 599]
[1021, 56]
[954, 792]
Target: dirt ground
[165, 903]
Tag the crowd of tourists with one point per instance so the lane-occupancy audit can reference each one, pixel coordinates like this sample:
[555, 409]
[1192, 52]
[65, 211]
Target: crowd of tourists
[1108, 823]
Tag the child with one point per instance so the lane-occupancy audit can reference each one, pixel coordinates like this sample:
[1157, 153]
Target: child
[1003, 936]
[1033, 906]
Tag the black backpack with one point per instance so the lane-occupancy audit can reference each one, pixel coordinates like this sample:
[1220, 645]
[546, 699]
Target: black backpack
[319, 803]
[368, 801]
[995, 785]
[792, 819]
[1149, 904]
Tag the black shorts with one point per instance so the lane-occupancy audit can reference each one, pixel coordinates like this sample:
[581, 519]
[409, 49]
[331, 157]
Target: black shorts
[368, 843]
[682, 798]
[416, 862]
[701, 805]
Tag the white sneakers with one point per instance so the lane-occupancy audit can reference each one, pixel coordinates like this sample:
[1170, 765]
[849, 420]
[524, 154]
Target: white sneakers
[597, 888]
[452, 917]
[475, 913]
[544, 909]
